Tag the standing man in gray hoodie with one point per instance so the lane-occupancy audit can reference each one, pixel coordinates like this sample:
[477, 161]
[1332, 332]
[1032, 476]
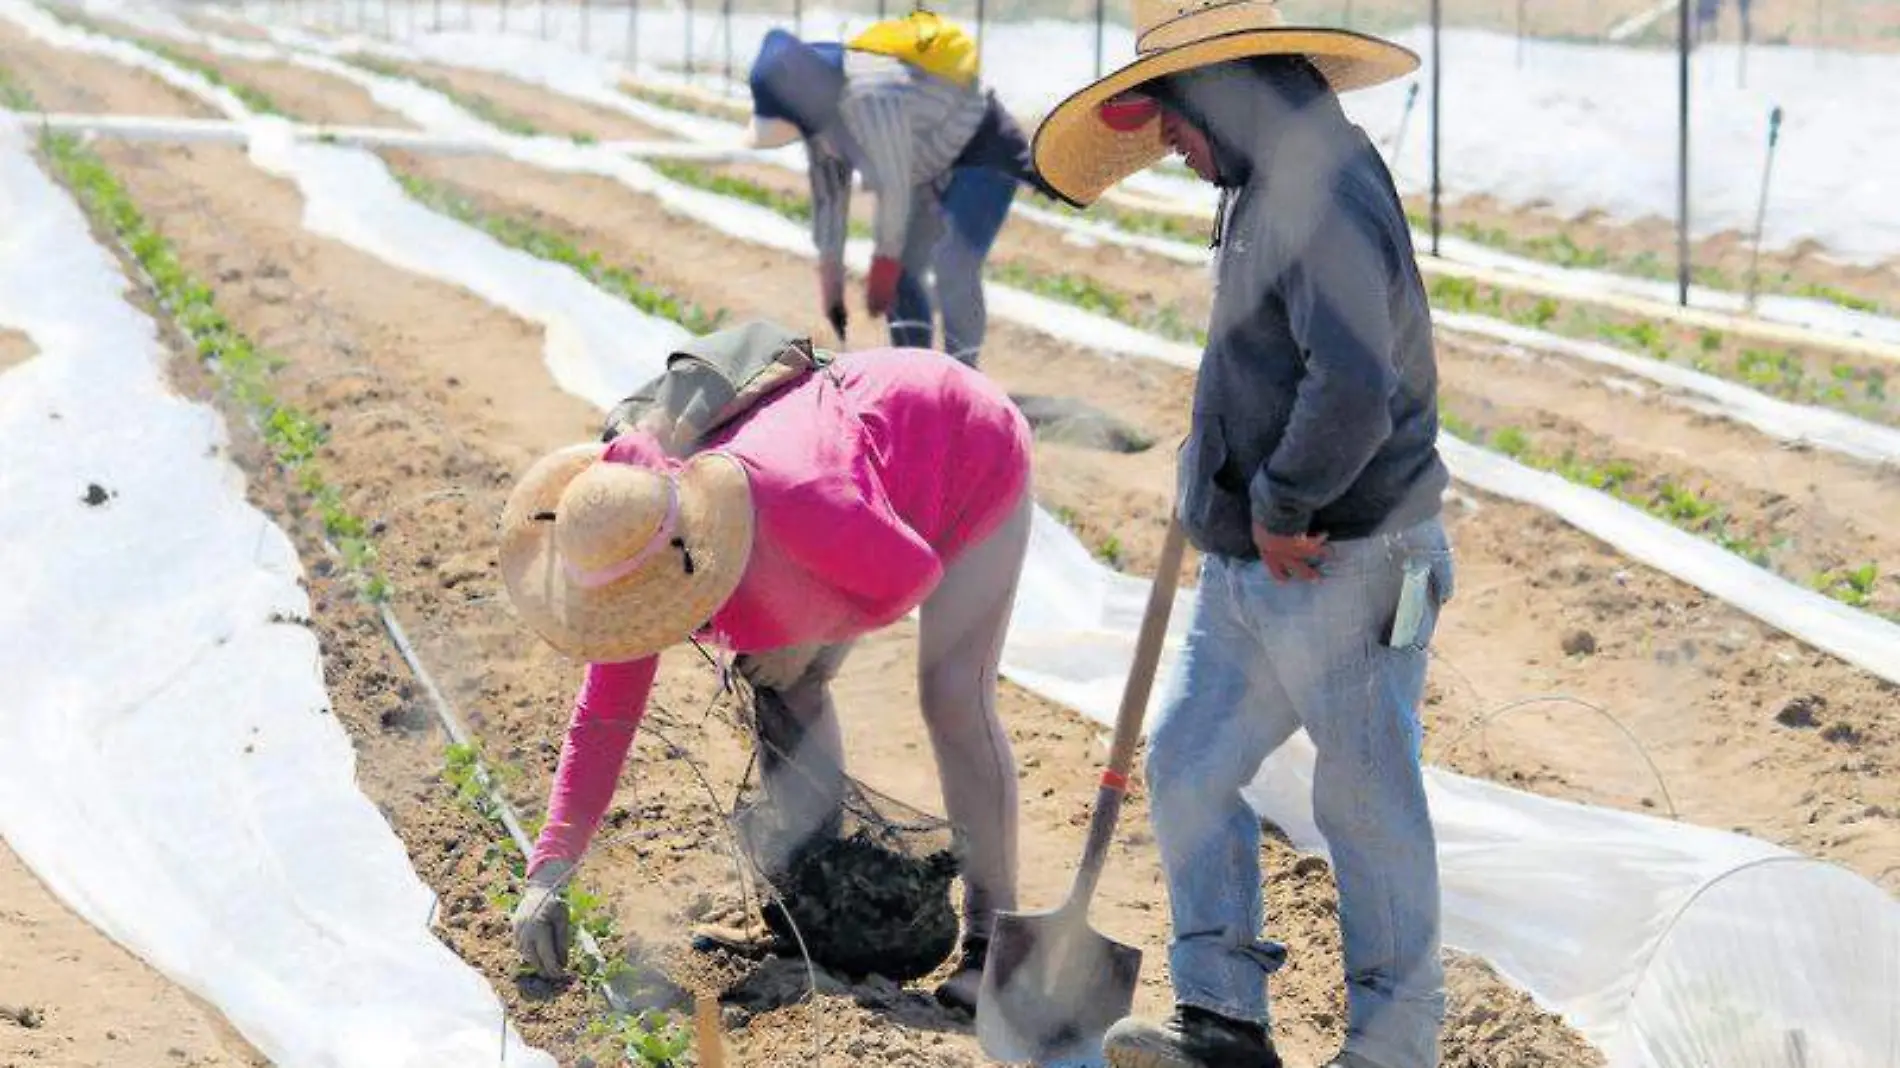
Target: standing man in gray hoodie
[1311, 482]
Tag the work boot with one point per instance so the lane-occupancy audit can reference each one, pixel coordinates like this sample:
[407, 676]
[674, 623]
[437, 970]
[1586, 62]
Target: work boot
[1191, 1038]
[960, 990]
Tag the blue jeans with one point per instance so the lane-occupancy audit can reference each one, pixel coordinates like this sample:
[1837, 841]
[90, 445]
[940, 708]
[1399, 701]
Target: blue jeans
[973, 208]
[1261, 659]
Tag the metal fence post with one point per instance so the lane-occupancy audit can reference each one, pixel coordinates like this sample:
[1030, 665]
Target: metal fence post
[1684, 28]
[1101, 14]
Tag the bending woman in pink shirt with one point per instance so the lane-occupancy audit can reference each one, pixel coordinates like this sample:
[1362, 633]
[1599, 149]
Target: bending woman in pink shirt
[888, 481]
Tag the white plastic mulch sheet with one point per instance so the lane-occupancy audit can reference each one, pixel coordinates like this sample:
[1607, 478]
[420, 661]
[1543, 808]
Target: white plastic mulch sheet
[169, 763]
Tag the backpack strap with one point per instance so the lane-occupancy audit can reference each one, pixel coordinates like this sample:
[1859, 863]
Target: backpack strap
[712, 380]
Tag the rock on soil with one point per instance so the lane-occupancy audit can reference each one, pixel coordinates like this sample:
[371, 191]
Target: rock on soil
[1802, 711]
[1580, 643]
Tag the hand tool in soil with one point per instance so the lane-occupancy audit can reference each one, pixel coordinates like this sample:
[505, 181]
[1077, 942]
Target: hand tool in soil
[1052, 985]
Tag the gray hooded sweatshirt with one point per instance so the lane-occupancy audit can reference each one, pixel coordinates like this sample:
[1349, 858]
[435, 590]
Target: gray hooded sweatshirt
[1316, 407]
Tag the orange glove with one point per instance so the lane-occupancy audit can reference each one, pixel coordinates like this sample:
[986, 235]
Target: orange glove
[880, 291]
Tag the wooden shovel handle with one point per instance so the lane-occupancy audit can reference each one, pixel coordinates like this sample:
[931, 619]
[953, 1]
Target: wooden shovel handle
[1121, 754]
[1141, 673]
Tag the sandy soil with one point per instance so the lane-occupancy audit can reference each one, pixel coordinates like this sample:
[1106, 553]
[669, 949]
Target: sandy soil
[71, 82]
[70, 996]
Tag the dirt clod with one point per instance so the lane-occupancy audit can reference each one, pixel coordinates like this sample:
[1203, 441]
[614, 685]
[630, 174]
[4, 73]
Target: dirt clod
[1802, 711]
[1841, 734]
[1580, 642]
[24, 1015]
[96, 495]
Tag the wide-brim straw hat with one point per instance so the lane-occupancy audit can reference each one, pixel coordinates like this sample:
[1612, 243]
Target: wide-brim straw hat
[1079, 156]
[611, 561]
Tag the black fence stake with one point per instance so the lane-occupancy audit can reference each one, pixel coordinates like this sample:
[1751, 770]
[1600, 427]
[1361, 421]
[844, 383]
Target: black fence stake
[1438, 68]
[1101, 14]
[725, 16]
[1761, 205]
[1405, 122]
[1684, 29]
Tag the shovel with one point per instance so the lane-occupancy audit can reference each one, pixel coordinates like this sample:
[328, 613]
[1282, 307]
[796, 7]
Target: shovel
[1052, 985]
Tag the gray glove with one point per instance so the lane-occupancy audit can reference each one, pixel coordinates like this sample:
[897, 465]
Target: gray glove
[542, 929]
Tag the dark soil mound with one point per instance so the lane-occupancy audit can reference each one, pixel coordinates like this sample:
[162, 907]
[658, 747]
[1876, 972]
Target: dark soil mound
[863, 907]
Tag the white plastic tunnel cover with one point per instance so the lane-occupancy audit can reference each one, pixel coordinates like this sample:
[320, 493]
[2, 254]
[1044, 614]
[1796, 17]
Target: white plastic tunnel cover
[1719, 988]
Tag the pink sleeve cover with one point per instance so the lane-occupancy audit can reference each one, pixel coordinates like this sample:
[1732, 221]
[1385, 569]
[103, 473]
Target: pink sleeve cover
[612, 701]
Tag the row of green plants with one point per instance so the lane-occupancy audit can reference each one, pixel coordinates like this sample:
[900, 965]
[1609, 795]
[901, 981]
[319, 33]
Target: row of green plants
[523, 234]
[474, 103]
[1563, 250]
[1673, 502]
[254, 98]
[293, 438]
[689, 105]
[647, 1038]
[1088, 294]
[1857, 389]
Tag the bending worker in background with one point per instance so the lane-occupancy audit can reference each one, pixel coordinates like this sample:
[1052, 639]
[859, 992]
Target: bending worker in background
[939, 152]
[1311, 483]
[881, 482]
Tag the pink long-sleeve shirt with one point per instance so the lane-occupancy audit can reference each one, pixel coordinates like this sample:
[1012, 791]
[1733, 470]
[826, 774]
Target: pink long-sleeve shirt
[867, 480]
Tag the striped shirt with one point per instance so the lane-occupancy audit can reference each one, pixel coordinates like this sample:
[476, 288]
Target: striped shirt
[903, 128]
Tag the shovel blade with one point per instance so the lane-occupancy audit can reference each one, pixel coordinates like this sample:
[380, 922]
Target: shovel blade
[1052, 986]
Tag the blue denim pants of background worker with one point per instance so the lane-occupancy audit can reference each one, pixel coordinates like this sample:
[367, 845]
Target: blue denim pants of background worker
[973, 208]
[1262, 658]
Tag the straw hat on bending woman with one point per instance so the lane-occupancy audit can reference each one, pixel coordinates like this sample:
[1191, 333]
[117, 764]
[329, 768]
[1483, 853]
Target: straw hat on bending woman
[887, 481]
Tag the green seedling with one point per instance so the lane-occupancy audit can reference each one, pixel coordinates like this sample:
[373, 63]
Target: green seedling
[1110, 551]
[1511, 442]
[1853, 587]
[14, 95]
[647, 1039]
